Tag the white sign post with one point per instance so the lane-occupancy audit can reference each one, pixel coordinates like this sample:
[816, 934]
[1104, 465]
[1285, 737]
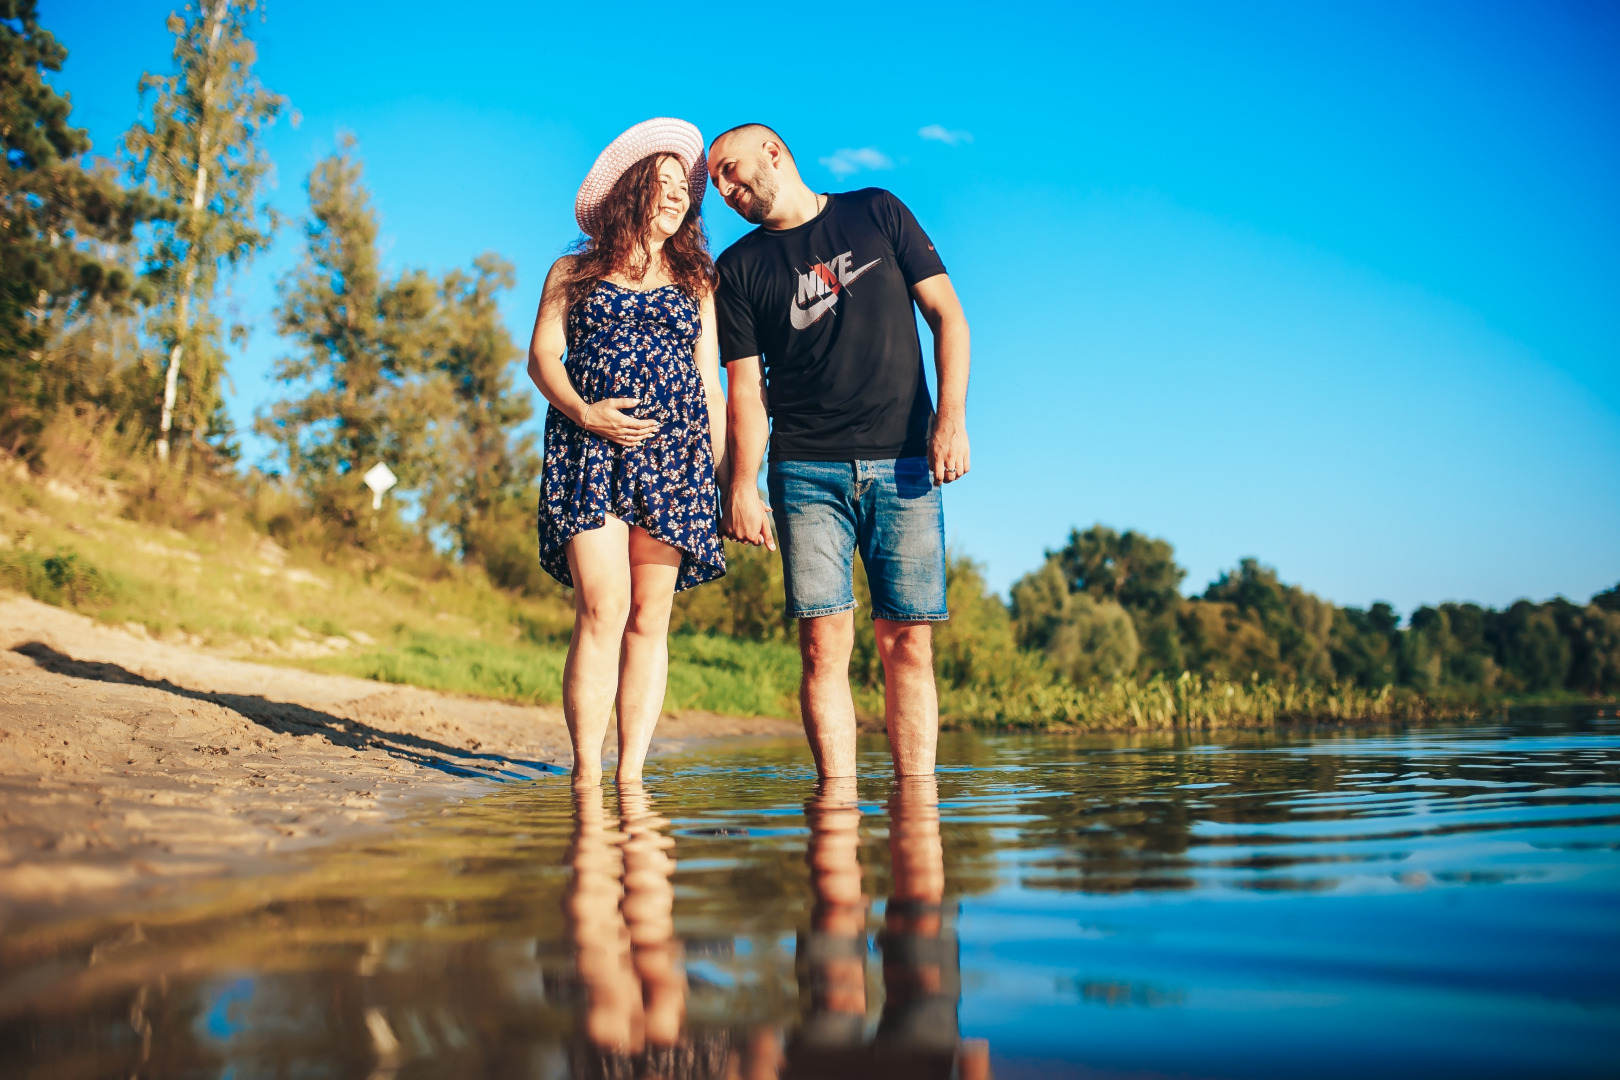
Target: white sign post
[379, 478]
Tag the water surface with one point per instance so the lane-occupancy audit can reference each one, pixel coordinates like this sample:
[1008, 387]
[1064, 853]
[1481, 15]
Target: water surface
[1436, 902]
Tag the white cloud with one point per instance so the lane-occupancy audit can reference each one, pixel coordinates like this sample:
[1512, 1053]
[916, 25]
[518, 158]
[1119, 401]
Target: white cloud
[846, 162]
[941, 133]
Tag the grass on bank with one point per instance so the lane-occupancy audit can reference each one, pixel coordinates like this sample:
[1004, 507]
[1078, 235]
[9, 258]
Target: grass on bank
[221, 584]
[717, 674]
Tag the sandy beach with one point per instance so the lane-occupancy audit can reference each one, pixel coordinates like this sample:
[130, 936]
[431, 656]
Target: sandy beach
[125, 761]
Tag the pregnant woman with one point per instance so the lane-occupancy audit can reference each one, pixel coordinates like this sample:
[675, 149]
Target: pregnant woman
[636, 430]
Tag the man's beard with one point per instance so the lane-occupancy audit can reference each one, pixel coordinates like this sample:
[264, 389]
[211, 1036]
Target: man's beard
[762, 186]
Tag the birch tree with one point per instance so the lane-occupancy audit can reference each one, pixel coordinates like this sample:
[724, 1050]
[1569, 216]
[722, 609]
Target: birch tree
[202, 151]
[490, 464]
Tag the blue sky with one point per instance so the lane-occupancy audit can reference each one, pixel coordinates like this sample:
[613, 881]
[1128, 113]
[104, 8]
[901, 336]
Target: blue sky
[1334, 285]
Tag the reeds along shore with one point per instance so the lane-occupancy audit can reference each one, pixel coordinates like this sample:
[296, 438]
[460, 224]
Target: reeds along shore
[1189, 702]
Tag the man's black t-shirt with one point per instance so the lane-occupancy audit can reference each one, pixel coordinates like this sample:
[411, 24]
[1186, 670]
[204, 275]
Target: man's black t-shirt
[827, 304]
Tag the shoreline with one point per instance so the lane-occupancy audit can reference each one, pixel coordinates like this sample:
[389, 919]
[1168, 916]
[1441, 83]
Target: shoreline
[127, 763]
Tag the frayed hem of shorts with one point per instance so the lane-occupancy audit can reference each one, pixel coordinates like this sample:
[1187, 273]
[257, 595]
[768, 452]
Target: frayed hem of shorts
[937, 617]
[818, 613]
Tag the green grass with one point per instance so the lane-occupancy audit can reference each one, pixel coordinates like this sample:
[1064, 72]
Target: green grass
[62, 578]
[736, 678]
[717, 674]
[523, 673]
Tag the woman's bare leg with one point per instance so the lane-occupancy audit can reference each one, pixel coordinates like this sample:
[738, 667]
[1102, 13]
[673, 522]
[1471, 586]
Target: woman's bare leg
[600, 562]
[602, 953]
[644, 661]
[649, 915]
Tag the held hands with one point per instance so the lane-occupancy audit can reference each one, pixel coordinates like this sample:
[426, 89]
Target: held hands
[747, 519]
[605, 419]
[948, 456]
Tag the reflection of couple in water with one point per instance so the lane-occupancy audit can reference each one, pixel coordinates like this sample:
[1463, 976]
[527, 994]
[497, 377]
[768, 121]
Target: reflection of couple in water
[648, 464]
[632, 1016]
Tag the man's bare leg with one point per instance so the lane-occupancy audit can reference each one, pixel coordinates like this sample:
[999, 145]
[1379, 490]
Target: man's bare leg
[825, 644]
[836, 978]
[910, 700]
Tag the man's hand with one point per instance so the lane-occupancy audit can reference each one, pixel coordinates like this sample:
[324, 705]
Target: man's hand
[948, 441]
[948, 455]
[605, 418]
[747, 519]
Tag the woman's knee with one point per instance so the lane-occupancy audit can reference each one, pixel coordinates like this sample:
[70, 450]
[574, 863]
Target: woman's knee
[601, 610]
[650, 615]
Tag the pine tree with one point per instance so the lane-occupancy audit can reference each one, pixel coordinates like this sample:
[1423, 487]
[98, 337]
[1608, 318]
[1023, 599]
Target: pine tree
[65, 226]
[202, 152]
[366, 358]
[489, 469]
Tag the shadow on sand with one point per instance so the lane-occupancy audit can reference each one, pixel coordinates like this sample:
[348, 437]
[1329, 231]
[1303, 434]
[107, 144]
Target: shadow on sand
[290, 719]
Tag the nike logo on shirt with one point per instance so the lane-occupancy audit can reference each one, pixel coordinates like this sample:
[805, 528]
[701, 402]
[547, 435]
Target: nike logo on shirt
[819, 288]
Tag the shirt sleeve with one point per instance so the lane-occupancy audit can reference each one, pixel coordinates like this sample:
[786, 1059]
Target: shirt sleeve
[736, 316]
[915, 252]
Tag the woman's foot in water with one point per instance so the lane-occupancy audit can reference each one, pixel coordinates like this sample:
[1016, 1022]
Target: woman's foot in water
[586, 776]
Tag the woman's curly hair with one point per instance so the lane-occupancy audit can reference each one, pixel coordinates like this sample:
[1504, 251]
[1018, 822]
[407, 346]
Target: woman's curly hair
[619, 246]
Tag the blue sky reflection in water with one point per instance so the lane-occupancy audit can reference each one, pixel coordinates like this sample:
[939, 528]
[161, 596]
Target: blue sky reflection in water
[1331, 284]
[1434, 903]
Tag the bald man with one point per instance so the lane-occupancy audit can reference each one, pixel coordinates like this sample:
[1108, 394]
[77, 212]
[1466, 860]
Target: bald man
[823, 361]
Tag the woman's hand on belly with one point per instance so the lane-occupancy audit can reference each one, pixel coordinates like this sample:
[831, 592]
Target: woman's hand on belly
[607, 419]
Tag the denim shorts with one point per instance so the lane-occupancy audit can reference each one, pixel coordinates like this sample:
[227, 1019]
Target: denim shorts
[890, 510]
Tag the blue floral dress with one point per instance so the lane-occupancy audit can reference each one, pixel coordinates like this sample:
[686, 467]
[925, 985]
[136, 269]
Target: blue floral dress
[628, 344]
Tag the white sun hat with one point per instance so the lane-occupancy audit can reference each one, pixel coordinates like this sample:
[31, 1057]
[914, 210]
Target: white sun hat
[660, 135]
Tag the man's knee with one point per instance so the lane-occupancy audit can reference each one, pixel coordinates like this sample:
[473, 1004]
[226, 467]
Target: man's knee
[905, 646]
[826, 643]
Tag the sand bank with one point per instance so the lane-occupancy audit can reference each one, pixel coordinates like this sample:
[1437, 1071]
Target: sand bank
[125, 761]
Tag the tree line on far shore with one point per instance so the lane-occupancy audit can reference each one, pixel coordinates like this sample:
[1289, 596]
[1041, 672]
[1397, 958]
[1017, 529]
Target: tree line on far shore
[1110, 603]
[1107, 607]
[114, 335]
